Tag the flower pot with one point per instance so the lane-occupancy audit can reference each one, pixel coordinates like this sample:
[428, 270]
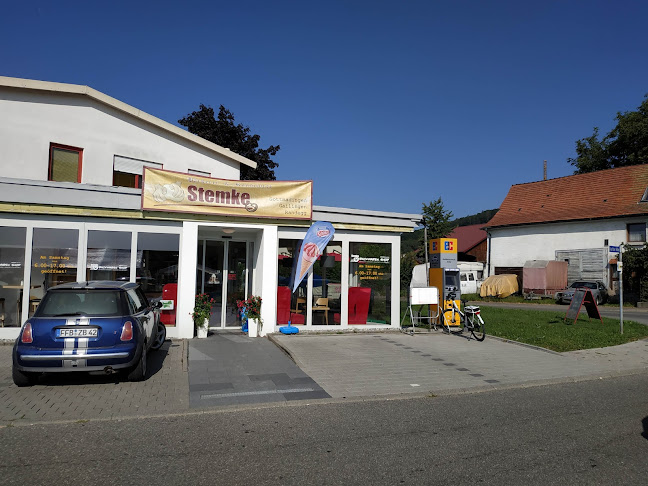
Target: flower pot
[253, 328]
[202, 330]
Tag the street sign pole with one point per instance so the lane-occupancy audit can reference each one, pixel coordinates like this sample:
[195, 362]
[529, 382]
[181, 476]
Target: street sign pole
[620, 269]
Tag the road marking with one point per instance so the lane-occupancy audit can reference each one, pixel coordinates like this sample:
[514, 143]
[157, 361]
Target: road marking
[260, 392]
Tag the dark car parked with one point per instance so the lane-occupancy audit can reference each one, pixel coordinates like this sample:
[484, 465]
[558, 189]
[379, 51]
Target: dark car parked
[598, 289]
[88, 326]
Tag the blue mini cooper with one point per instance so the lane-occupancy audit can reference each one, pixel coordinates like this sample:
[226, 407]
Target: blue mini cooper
[88, 326]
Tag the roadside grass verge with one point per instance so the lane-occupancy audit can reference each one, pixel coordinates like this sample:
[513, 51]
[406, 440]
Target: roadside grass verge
[548, 329]
[518, 299]
[512, 299]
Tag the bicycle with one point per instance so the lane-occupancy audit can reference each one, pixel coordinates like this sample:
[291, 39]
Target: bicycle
[456, 322]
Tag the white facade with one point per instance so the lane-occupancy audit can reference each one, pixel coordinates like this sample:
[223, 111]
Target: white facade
[33, 119]
[35, 114]
[512, 246]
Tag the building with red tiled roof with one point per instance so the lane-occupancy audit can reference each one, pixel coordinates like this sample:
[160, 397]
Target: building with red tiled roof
[575, 218]
[471, 242]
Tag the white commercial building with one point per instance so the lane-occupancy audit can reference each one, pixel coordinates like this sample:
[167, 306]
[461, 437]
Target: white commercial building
[72, 209]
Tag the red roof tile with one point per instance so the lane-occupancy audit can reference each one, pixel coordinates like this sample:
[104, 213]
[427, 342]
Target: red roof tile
[602, 194]
[468, 237]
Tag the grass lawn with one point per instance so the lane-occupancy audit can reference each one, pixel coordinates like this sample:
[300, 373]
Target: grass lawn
[548, 329]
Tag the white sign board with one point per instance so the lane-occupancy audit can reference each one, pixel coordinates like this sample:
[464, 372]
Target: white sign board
[424, 295]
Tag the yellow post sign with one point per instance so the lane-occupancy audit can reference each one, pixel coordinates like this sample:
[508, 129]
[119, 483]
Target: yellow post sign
[443, 245]
[186, 193]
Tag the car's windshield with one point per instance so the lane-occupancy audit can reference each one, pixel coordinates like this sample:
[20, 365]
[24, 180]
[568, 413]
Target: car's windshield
[586, 285]
[80, 303]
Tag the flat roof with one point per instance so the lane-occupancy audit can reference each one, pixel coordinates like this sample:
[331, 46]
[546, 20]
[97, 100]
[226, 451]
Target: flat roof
[75, 195]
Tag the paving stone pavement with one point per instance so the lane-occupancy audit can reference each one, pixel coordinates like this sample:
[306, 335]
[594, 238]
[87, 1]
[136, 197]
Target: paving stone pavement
[364, 364]
[232, 369]
[83, 396]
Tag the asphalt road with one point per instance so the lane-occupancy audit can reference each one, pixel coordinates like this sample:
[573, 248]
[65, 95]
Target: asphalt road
[629, 313]
[593, 432]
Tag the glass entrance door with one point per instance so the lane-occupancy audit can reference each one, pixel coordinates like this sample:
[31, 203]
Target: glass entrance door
[223, 273]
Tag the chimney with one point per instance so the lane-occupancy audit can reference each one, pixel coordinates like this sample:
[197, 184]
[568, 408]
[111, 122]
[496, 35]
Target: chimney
[545, 171]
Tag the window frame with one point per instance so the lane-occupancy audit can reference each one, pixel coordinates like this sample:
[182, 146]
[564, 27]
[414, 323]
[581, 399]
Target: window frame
[628, 233]
[70, 148]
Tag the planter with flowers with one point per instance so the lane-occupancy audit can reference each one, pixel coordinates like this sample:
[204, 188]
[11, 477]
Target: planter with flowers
[251, 309]
[201, 314]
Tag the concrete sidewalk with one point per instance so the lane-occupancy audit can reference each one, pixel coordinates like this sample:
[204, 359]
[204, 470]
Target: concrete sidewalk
[363, 364]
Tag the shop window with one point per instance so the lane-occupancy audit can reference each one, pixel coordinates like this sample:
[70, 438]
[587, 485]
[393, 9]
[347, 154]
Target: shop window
[157, 264]
[370, 283]
[327, 285]
[637, 233]
[109, 255]
[12, 261]
[65, 163]
[54, 261]
[290, 306]
[128, 172]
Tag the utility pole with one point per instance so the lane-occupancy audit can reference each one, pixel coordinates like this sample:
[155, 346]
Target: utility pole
[425, 246]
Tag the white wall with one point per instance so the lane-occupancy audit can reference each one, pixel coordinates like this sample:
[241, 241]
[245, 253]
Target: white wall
[512, 246]
[30, 120]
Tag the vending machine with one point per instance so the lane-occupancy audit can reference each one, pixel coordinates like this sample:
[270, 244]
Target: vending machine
[444, 272]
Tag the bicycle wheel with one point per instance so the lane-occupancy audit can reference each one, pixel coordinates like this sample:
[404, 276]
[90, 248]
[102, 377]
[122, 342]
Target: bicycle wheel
[453, 321]
[476, 326]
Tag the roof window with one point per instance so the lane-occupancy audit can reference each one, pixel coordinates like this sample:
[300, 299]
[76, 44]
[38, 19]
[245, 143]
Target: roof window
[644, 198]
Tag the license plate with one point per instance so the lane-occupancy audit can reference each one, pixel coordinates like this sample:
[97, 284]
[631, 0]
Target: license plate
[77, 332]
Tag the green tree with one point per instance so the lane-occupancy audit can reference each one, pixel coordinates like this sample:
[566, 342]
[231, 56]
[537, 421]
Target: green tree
[437, 220]
[635, 272]
[626, 144]
[225, 132]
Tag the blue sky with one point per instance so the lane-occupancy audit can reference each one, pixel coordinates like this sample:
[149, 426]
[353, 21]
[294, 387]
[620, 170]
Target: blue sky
[384, 105]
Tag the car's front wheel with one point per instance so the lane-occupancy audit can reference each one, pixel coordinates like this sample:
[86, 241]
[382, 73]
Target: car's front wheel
[138, 373]
[159, 338]
[23, 378]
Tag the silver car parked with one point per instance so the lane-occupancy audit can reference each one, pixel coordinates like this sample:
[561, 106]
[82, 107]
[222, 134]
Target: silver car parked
[598, 289]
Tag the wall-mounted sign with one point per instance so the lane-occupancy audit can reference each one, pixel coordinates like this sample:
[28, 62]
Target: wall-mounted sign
[55, 260]
[371, 268]
[187, 193]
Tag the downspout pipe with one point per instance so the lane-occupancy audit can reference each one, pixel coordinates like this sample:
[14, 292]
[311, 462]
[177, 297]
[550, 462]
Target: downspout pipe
[488, 258]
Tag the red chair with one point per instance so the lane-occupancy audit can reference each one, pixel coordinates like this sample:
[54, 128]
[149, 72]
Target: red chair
[359, 304]
[284, 314]
[283, 305]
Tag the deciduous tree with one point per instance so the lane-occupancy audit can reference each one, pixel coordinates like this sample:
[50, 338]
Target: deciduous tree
[225, 132]
[437, 219]
[626, 144]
